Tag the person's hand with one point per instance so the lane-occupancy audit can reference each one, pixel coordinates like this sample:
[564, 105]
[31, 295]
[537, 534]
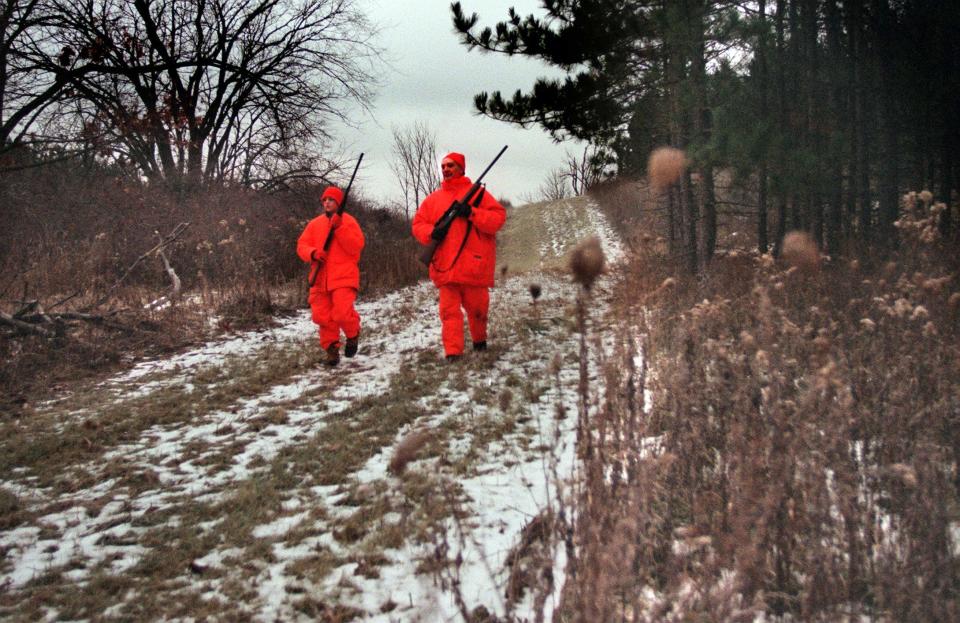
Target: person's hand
[438, 233]
[464, 210]
[319, 255]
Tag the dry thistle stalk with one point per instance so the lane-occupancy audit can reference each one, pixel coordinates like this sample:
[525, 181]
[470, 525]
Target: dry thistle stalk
[407, 450]
[665, 166]
[800, 251]
[535, 291]
[586, 262]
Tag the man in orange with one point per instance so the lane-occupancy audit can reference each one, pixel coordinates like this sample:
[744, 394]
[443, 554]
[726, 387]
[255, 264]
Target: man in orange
[463, 264]
[335, 275]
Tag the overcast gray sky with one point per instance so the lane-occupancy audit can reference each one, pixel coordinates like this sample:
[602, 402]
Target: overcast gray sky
[433, 79]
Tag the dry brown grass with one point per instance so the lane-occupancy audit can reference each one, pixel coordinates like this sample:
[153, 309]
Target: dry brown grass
[800, 455]
[71, 233]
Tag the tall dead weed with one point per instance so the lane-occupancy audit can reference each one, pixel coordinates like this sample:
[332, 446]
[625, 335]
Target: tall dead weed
[799, 453]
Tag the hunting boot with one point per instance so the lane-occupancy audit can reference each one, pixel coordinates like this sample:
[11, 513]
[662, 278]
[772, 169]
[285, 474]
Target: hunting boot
[480, 345]
[333, 355]
[352, 344]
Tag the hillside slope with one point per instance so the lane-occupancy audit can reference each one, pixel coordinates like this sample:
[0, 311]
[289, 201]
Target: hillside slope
[243, 480]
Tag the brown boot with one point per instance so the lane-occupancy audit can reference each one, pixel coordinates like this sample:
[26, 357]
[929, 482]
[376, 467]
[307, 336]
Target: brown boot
[352, 344]
[333, 354]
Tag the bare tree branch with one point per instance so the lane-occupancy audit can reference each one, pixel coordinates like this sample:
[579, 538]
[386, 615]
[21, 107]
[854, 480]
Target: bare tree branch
[416, 164]
[198, 89]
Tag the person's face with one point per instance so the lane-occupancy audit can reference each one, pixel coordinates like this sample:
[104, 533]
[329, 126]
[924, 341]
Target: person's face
[329, 204]
[450, 169]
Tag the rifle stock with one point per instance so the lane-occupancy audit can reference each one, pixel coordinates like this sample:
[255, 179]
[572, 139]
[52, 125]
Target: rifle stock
[426, 253]
[443, 223]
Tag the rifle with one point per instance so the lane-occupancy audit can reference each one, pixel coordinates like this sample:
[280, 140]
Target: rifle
[442, 226]
[315, 270]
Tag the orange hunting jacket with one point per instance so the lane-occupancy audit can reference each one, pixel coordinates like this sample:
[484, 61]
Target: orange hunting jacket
[340, 269]
[476, 264]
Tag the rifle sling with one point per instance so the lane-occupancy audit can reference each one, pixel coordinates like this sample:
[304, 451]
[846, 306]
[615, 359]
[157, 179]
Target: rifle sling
[317, 266]
[476, 204]
[463, 243]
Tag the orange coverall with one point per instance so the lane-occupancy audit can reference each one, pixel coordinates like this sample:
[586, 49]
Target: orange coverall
[463, 280]
[335, 289]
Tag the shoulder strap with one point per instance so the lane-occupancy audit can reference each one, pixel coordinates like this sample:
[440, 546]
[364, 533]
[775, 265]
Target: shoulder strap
[463, 243]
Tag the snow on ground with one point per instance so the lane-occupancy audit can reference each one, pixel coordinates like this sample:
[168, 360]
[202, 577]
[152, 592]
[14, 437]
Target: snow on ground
[106, 527]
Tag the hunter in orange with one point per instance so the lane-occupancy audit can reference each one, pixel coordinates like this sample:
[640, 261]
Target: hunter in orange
[464, 262]
[334, 274]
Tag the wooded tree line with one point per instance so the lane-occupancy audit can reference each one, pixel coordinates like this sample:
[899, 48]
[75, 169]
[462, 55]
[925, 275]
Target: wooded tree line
[825, 109]
[183, 91]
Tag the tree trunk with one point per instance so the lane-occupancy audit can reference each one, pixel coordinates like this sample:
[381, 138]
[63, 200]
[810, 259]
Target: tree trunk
[782, 123]
[814, 121]
[692, 216]
[887, 109]
[834, 221]
[762, 241]
[794, 65]
[701, 127]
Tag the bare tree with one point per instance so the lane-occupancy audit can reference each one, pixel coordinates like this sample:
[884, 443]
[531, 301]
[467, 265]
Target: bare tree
[555, 186]
[32, 73]
[204, 90]
[585, 171]
[416, 164]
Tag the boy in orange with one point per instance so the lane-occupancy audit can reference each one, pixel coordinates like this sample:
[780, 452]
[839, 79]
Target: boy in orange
[335, 275]
[463, 264]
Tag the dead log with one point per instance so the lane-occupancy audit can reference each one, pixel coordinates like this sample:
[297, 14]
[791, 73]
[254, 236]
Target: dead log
[25, 327]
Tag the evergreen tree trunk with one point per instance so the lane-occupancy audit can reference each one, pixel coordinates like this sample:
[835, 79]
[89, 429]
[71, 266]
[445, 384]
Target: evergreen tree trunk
[946, 179]
[863, 169]
[782, 122]
[852, 15]
[701, 128]
[835, 202]
[692, 216]
[887, 107]
[710, 212]
[865, 140]
[683, 120]
[794, 65]
[813, 121]
[762, 52]
[672, 224]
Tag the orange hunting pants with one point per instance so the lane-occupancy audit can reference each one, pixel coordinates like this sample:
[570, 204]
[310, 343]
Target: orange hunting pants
[333, 311]
[475, 300]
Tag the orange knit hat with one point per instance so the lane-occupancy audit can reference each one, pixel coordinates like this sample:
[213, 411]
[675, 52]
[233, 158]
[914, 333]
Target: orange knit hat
[335, 193]
[458, 158]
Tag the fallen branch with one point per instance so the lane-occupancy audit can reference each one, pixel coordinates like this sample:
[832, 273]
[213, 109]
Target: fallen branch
[165, 241]
[170, 272]
[25, 327]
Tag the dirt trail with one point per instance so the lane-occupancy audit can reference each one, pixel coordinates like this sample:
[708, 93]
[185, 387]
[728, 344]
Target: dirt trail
[242, 480]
